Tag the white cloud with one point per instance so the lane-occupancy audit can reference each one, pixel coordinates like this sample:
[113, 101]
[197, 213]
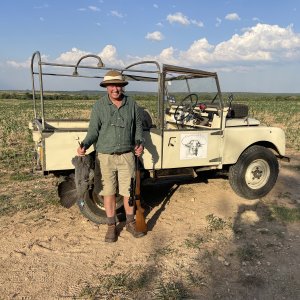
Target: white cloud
[200, 52]
[94, 8]
[71, 57]
[197, 23]
[219, 21]
[25, 64]
[168, 56]
[155, 36]
[117, 14]
[155, 5]
[160, 24]
[109, 57]
[178, 18]
[42, 19]
[261, 43]
[232, 17]
[91, 7]
[18, 65]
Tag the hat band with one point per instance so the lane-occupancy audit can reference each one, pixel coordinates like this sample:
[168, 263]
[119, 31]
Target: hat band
[106, 78]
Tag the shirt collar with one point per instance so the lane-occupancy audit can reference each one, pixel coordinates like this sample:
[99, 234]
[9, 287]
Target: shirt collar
[124, 100]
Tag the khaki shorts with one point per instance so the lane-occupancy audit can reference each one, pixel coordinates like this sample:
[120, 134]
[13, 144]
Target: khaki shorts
[113, 173]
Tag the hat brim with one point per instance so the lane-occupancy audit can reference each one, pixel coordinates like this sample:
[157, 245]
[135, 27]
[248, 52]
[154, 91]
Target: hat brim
[117, 82]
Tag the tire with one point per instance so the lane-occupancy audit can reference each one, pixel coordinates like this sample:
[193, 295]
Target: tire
[92, 207]
[67, 192]
[255, 173]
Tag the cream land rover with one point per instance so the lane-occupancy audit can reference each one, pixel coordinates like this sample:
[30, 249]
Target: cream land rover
[188, 128]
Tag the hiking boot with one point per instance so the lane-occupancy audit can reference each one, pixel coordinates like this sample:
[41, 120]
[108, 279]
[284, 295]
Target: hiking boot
[130, 227]
[111, 234]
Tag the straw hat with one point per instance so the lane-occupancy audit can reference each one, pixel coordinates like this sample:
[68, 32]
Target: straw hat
[113, 77]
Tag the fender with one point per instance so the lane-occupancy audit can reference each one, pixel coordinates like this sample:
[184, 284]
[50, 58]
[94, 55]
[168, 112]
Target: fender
[237, 139]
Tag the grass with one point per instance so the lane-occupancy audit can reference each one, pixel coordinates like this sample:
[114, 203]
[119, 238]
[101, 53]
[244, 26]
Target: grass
[163, 251]
[20, 198]
[276, 110]
[123, 285]
[126, 286]
[286, 214]
[194, 241]
[248, 253]
[170, 290]
[195, 279]
[215, 223]
[110, 286]
[22, 176]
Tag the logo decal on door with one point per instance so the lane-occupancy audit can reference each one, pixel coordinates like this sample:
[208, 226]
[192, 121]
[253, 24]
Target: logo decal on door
[193, 146]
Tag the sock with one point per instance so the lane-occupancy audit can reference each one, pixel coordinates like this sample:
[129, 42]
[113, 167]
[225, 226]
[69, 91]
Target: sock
[129, 218]
[111, 220]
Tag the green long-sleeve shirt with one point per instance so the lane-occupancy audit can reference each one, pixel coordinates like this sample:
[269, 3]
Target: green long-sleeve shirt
[114, 129]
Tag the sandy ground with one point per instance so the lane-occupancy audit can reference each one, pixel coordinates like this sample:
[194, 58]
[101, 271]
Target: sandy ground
[204, 242]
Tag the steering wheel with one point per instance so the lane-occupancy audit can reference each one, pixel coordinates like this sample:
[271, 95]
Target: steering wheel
[191, 103]
[186, 109]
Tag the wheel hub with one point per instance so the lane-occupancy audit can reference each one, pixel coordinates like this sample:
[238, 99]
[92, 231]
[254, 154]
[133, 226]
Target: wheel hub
[257, 174]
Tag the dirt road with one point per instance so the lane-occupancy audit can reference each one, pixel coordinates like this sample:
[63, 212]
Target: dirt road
[204, 242]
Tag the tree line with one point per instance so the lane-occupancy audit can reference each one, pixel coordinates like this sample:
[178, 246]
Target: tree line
[47, 96]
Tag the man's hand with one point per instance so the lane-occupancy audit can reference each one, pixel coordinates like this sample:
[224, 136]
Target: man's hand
[138, 150]
[81, 151]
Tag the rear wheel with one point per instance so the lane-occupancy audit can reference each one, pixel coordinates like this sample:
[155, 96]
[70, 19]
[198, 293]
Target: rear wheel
[255, 173]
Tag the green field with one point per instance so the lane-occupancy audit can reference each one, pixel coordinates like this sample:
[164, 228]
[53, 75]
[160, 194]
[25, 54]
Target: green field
[15, 138]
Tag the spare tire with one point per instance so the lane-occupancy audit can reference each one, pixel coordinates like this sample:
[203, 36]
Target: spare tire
[92, 207]
[67, 192]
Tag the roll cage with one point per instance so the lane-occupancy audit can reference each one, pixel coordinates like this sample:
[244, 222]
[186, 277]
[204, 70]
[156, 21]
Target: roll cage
[143, 71]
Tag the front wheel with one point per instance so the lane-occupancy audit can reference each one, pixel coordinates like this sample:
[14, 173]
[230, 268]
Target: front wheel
[255, 173]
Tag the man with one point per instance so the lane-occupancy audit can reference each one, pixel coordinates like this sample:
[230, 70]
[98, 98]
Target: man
[115, 127]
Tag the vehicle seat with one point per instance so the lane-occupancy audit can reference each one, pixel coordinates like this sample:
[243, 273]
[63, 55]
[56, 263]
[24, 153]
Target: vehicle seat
[147, 119]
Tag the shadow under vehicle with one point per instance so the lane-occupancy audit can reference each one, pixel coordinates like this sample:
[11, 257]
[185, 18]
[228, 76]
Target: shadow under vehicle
[188, 128]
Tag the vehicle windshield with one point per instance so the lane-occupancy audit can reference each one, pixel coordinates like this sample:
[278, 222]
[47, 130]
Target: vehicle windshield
[185, 88]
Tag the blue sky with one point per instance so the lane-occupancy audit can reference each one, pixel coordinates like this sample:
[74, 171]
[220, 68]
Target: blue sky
[254, 45]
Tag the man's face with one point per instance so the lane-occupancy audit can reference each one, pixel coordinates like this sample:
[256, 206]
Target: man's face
[114, 91]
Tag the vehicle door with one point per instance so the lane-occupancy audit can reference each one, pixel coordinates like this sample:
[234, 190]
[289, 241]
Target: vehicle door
[192, 134]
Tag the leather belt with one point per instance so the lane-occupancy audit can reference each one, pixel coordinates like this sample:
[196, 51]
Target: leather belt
[120, 153]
